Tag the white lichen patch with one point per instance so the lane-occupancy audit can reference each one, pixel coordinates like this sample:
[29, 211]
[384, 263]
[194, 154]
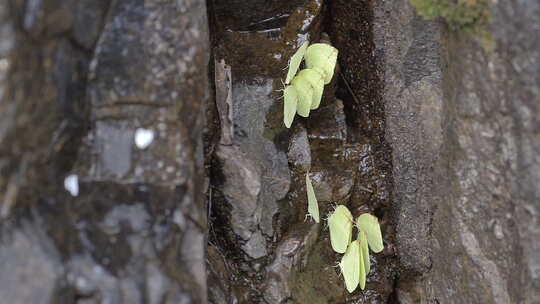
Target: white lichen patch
[143, 138]
[71, 184]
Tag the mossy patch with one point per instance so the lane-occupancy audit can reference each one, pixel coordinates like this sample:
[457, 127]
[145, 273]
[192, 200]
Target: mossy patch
[469, 16]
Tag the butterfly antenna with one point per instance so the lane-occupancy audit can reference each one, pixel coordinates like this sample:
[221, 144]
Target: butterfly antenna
[281, 90]
[288, 64]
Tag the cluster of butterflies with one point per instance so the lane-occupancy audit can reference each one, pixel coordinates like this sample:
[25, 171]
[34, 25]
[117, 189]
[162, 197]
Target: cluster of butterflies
[304, 91]
[302, 94]
[355, 264]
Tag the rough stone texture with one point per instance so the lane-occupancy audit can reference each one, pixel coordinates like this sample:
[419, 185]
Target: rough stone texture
[517, 42]
[35, 270]
[256, 172]
[148, 72]
[293, 251]
[413, 105]
[365, 152]
[135, 231]
[252, 173]
[42, 75]
[299, 153]
[462, 122]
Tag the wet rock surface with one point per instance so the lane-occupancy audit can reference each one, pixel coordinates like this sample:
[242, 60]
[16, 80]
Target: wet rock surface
[293, 251]
[259, 198]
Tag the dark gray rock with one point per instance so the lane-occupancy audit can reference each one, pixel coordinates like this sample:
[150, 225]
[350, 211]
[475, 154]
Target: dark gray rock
[31, 266]
[328, 122]
[299, 153]
[290, 256]
[362, 162]
[256, 174]
[88, 17]
[132, 229]
[460, 118]
[414, 117]
[156, 97]
[332, 174]
[518, 46]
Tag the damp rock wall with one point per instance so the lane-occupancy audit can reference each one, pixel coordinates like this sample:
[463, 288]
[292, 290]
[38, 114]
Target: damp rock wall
[262, 249]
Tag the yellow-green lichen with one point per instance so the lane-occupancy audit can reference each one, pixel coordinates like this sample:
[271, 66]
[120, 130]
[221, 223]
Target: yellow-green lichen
[462, 15]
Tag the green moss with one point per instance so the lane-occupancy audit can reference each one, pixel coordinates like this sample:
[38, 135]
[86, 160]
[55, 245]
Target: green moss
[461, 15]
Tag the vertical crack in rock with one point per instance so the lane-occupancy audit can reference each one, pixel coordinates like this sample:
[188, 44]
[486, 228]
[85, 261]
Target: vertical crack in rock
[341, 144]
[251, 174]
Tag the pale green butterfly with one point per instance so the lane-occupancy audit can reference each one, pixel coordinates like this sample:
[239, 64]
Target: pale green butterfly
[350, 266]
[340, 223]
[290, 96]
[362, 238]
[305, 95]
[323, 56]
[362, 273]
[370, 225]
[316, 78]
[295, 62]
[313, 206]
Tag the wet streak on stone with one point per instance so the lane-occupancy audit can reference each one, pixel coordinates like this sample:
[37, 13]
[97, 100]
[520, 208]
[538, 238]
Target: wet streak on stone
[351, 27]
[239, 15]
[341, 144]
[250, 178]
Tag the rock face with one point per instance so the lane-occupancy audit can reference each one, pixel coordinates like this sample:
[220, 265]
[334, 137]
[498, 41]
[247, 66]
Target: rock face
[461, 120]
[80, 82]
[433, 131]
[413, 97]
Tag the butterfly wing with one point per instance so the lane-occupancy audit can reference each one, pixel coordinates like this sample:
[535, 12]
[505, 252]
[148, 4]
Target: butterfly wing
[340, 224]
[316, 78]
[295, 62]
[290, 96]
[361, 267]
[350, 266]
[313, 206]
[305, 95]
[362, 238]
[323, 56]
[370, 225]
